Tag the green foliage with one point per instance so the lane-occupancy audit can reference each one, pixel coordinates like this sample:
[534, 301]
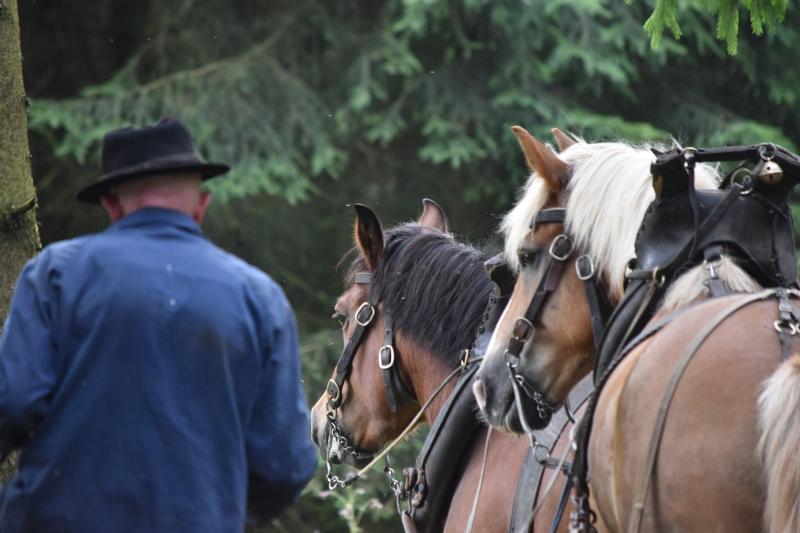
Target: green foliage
[764, 14]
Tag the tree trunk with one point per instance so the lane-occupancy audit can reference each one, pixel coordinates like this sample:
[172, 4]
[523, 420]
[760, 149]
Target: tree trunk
[19, 234]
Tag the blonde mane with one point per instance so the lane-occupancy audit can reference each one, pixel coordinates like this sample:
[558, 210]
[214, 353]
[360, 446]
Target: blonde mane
[610, 188]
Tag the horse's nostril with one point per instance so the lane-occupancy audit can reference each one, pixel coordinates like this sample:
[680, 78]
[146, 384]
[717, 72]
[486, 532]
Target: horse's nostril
[480, 393]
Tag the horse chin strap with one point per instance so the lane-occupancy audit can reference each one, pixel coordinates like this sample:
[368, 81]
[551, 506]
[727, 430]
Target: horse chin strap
[560, 250]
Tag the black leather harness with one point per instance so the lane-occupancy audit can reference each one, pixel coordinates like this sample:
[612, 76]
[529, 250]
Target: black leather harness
[561, 248]
[395, 388]
[749, 220]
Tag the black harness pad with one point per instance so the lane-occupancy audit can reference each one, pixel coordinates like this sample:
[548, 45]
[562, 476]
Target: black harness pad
[759, 233]
[441, 460]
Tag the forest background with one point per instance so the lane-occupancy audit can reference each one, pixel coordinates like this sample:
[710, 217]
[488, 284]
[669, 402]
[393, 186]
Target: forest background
[319, 104]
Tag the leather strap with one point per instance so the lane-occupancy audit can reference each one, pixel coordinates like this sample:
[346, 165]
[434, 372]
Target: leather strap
[386, 359]
[529, 483]
[599, 306]
[669, 393]
[550, 216]
[364, 317]
[712, 258]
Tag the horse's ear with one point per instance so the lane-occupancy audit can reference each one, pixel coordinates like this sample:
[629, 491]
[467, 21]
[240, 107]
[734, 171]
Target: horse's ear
[368, 235]
[563, 140]
[541, 160]
[433, 215]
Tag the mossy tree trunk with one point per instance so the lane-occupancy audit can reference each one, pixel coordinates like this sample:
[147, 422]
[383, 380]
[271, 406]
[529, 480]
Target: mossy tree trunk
[19, 234]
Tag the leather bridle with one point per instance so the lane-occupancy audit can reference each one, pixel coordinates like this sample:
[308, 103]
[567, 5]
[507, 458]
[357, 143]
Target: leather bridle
[395, 388]
[560, 250]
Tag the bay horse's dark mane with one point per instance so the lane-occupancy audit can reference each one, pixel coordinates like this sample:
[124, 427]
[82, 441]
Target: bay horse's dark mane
[434, 287]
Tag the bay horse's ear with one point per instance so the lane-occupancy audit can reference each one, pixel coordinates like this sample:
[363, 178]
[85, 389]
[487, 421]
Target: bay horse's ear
[433, 215]
[563, 140]
[541, 160]
[368, 235]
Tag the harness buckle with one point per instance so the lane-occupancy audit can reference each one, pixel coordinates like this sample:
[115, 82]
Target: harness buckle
[522, 329]
[386, 348]
[584, 266]
[366, 306]
[562, 239]
[334, 393]
[465, 358]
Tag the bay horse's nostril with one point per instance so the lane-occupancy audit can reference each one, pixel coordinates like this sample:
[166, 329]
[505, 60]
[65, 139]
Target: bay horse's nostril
[480, 393]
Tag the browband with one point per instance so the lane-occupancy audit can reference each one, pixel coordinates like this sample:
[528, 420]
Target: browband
[549, 216]
[362, 278]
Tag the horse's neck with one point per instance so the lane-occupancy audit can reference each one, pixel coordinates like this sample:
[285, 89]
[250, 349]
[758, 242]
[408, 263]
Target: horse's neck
[427, 372]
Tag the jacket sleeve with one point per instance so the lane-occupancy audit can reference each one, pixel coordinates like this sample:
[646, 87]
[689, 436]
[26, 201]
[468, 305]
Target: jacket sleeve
[281, 457]
[27, 351]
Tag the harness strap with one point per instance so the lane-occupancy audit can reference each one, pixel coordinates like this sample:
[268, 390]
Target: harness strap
[712, 258]
[551, 215]
[528, 498]
[386, 359]
[477, 496]
[669, 393]
[786, 325]
[599, 306]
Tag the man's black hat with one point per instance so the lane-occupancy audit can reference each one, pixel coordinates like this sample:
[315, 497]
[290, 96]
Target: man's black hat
[135, 152]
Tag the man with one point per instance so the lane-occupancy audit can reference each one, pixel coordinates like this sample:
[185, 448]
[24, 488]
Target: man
[151, 379]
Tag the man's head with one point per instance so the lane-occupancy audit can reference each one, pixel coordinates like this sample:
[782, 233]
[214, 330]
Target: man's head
[154, 166]
[179, 191]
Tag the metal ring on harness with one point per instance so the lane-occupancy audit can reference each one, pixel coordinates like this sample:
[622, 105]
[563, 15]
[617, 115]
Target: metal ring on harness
[334, 392]
[659, 280]
[584, 274]
[386, 348]
[365, 321]
[785, 327]
[560, 238]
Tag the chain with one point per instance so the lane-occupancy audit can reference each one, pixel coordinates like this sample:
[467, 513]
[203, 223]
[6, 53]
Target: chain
[336, 433]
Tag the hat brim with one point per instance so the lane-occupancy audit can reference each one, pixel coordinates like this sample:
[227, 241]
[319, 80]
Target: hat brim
[96, 190]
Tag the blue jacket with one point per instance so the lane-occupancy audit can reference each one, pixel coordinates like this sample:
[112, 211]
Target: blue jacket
[153, 383]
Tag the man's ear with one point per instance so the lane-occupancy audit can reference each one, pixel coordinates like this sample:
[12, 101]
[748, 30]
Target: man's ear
[368, 235]
[110, 202]
[541, 160]
[203, 201]
[433, 215]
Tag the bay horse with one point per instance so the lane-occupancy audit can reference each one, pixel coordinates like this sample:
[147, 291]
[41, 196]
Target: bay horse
[727, 458]
[435, 291]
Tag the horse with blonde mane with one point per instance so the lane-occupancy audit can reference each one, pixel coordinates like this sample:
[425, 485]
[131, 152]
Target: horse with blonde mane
[714, 449]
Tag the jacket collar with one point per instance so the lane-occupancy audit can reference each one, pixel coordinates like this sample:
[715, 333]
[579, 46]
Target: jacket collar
[155, 216]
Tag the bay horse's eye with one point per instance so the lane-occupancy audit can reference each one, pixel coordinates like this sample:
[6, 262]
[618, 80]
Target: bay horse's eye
[339, 317]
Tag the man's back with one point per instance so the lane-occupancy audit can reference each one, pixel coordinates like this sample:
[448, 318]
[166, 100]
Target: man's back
[164, 386]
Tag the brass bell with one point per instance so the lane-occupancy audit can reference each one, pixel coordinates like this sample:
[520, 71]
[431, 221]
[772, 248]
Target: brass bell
[770, 173]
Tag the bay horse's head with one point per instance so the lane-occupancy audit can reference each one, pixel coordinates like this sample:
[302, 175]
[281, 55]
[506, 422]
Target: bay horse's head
[574, 226]
[411, 304]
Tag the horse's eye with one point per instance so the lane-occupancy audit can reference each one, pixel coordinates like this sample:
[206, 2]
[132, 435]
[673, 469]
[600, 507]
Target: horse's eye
[527, 258]
[339, 317]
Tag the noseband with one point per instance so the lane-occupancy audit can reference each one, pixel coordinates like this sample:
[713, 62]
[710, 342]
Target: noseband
[560, 250]
[365, 316]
